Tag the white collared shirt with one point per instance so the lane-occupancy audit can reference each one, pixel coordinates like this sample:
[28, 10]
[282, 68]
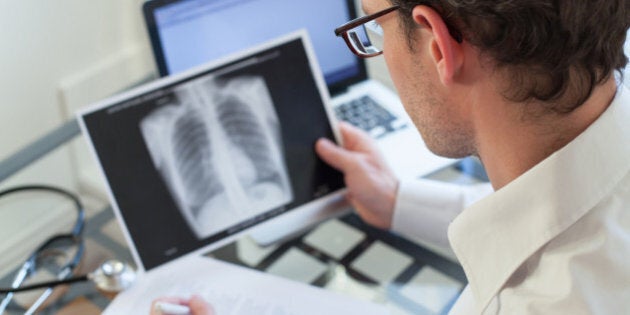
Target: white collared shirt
[556, 240]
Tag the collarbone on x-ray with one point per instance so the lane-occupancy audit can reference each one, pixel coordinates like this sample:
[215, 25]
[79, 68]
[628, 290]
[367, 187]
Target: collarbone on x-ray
[218, 147]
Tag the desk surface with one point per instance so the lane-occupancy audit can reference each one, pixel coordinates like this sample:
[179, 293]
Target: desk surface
[363, 262]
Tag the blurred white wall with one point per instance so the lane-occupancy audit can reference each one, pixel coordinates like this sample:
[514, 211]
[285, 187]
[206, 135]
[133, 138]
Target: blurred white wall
[43, 44]
[56, 55]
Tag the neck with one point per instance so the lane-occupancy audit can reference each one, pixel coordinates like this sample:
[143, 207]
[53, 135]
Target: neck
[510, 144]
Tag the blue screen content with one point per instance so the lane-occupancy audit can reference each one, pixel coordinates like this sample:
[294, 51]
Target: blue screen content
[194, 32]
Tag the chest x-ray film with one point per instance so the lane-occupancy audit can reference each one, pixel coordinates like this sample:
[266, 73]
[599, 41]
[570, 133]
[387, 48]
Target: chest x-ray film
[194, 159]
[217, 145]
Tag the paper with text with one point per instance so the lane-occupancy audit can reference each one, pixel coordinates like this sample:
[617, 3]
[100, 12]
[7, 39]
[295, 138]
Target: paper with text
[235, 290]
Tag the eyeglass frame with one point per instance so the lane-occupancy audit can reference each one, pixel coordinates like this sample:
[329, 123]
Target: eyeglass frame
[345, 29]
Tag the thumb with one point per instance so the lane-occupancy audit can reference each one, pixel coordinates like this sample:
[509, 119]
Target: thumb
[198, 306]
[355, 139]
[333, 154]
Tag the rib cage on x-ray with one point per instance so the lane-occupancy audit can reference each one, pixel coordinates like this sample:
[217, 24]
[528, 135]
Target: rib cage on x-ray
[190, 139]
[219, 151]
[243, 130]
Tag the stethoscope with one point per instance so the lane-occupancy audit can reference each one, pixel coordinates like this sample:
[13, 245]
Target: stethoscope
[111, 276]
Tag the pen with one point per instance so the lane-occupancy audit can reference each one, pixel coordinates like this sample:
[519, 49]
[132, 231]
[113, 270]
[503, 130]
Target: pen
[171, 309]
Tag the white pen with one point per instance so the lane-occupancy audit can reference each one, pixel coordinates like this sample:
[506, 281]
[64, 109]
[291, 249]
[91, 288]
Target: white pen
[172, 309]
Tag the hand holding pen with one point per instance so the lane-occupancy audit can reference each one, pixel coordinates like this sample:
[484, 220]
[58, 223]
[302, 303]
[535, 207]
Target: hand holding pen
[179, 306]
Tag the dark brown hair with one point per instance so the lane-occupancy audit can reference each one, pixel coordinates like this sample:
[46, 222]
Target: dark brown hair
[557, 51]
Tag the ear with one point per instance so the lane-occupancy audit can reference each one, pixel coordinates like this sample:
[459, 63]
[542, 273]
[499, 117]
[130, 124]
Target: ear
[445, 50]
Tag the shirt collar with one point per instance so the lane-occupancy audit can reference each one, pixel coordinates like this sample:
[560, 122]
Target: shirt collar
[493, 237]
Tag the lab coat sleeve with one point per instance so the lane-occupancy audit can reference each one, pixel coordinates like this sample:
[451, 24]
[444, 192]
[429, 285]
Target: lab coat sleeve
[424, 208]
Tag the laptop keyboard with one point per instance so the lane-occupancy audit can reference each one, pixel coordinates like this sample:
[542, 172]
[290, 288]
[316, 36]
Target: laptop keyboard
[367, 114]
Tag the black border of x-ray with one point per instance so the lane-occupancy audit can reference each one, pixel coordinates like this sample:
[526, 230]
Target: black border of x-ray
[160, 236]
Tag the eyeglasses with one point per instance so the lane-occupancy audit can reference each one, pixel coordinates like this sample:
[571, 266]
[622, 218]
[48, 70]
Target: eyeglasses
[364, 36]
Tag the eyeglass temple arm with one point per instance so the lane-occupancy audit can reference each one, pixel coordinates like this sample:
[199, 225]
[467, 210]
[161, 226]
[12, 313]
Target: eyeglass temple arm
[356, 22]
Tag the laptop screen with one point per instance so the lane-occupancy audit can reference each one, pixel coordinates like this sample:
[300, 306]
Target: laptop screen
[186, 33]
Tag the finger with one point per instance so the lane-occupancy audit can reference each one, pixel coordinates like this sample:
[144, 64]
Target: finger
[355, 139]
[172, 299]
[153, 310]
[168, 299]
[198, 306]
[334, 155]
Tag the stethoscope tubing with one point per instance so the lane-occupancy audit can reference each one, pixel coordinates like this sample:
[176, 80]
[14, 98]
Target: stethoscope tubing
[29, 266]
[79, 223]
[43, 285]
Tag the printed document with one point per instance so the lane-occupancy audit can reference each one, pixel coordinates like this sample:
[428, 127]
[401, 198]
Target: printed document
[235, 290]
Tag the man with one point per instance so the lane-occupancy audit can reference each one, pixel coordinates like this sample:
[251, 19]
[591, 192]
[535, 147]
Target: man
[529, 87]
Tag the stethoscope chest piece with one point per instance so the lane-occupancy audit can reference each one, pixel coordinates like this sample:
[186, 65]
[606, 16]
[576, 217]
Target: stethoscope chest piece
[113, 276]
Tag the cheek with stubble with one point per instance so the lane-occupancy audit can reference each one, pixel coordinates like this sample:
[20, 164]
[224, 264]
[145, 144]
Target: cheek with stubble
[444, 132]
[441, 129]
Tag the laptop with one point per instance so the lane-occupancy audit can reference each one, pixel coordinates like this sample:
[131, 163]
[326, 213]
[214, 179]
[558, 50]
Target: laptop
[185, 33]
[193, 160]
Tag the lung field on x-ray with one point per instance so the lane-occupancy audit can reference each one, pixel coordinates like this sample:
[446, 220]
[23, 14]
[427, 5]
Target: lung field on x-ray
[219, 151]
[193, 161]
[244, 131]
